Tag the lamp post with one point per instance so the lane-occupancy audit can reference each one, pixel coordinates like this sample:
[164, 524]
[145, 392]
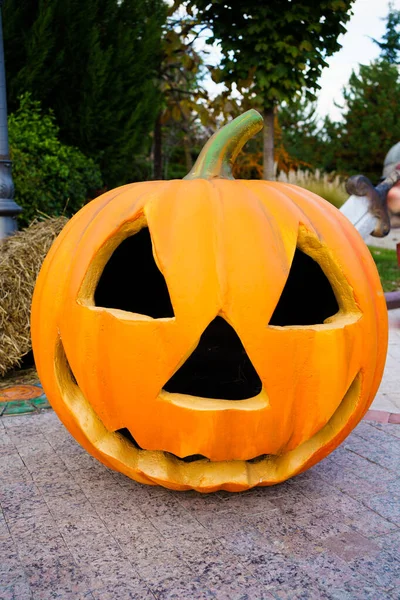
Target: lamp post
[8, 207]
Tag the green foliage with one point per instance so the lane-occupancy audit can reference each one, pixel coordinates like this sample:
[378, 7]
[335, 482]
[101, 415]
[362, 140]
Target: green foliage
[370, 124]
[274, 48]
[271, 50]
[301, 133]
[184, 99]
[50, 177]
[388, 269]
[95, 64]
[390, 43]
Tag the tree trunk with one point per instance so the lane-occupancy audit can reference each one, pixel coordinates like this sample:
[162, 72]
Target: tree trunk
[268, 153]
[188, 156]
[157, 149]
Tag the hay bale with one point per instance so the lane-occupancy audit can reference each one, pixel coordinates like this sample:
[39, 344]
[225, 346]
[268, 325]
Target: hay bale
[21, 256]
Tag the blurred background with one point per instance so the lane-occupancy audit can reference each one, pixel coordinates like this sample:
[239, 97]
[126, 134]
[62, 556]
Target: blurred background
[106, 92]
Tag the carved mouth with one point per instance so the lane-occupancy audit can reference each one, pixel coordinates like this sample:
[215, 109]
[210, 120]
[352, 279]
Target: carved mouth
[120, 450]
[186, 459]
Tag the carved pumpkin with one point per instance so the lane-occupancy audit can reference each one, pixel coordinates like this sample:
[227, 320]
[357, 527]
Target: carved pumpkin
[210, 333]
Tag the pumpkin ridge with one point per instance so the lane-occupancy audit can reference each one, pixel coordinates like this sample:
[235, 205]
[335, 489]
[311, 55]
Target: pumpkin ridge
[262, 200]
[124, 229]
[219, 255]
[372, 280]
[261, 189]
[70, 227]
[381, 336]
[333, 219]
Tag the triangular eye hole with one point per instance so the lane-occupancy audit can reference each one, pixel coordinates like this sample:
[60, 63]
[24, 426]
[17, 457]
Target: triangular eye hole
[307, 298]
[131, 280]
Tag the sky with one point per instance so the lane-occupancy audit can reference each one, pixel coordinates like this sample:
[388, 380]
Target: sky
[357, 48]
[368, 21]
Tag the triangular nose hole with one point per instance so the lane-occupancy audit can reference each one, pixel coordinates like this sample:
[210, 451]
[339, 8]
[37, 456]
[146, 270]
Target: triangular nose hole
[218, 368]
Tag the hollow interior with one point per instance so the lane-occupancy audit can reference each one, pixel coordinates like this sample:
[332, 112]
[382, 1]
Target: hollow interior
[307, 298]
[131, 280]
[218, 368]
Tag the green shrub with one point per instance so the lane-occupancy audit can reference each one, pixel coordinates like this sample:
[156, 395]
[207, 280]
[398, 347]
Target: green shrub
[50, 178]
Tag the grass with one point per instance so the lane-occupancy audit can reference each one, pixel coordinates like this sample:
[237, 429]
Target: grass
[389, 271]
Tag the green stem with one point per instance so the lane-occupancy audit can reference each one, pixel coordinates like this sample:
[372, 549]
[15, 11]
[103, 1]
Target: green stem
[220, 152]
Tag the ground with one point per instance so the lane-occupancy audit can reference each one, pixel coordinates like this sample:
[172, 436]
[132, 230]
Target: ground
[72, 529]
[388, 397]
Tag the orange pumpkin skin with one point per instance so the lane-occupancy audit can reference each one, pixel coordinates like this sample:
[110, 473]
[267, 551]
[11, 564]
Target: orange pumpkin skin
[225, 248]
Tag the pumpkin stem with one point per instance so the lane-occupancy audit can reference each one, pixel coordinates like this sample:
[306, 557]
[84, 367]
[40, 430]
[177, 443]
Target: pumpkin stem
[220, 152]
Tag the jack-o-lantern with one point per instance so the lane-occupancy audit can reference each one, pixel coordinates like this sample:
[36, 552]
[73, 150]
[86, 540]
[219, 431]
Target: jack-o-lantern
[210, 333]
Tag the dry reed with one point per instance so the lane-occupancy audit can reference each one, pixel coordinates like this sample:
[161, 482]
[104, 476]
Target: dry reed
[327, 185]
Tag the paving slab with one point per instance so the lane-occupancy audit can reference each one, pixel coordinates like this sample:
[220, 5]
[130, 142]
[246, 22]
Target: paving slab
[71, 528]
[387, 400]
[389, 242]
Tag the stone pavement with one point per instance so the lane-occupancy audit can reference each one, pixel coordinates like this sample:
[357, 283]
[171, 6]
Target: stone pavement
[388, 241]
[70, 528]
[388, 396]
